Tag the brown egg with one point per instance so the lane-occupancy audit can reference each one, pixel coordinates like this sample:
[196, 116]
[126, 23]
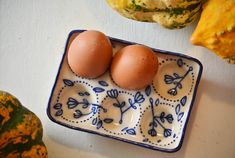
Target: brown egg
[134, 67]
[90, 54]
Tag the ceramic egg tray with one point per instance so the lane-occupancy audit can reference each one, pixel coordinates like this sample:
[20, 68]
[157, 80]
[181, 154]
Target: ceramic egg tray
[155, 117]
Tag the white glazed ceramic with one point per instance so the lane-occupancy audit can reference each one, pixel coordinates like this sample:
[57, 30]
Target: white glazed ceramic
[155, 117]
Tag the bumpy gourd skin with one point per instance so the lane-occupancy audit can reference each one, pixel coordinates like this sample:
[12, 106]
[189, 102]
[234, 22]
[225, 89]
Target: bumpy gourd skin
[216, 28]
[20, 130]
[172, 14]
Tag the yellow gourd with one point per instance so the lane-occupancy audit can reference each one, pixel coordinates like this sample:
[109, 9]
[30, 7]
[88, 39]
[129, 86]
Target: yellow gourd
[216, 28]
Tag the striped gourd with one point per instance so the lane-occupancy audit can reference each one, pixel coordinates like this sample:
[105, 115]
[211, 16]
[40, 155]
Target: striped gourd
[20, 130]
[172, 14]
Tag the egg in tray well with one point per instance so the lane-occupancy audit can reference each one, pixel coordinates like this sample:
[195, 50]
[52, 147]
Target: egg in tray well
[153, 115]
[90, 54]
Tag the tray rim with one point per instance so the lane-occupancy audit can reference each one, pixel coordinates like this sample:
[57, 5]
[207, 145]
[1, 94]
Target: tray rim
[118, 138]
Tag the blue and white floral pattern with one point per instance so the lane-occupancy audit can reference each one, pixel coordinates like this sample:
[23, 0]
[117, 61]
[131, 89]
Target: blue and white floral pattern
[166, 117]
[176, 80]
[158, 121]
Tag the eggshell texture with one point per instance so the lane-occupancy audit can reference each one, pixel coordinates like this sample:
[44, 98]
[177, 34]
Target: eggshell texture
[90, 54]
[134, 67]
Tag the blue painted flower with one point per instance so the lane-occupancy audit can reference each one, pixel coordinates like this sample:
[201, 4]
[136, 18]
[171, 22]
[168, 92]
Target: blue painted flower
[139, 98]
[167, 132]
[168, 79]
[169, 118]
[113, 93]
[152, 132]
[77, 114]
[173, 92]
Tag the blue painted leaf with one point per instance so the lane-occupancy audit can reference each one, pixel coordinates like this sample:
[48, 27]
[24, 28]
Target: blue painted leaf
[86, 93]
[108, 120]
[162, 116]
[116, 105]
[84, 106]
[131, 131]
[72, 103]
[180, 62]
[94, 121]
[59, 112]
[157, 102]
[124, 129]
[180, 116]
[57, 106]
[169, 118]
[177, 109]
[183, 100]
[190, 68]
[123, 104]
[68, 82]
[145, 140]
[103, 83]
[134, 107]
[151, 100]
[99, 124]
[176, 75]
[98, 90]
[80, 93]
[130, 101]
[148, 90]
[179, 85]
[174, 135]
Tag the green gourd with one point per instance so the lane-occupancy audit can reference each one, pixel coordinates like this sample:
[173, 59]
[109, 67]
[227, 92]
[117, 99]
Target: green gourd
[20, 130]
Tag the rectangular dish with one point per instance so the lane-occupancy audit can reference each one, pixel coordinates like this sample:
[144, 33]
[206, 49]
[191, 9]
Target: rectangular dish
[155, 117]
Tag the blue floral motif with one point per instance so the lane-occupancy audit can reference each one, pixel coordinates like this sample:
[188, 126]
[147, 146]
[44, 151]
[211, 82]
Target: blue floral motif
[167, 132]
[68, 82]
[179, 107]
[148, 90]
[99, 123]
[180, 62]
[108, 120]
[98, 89]
[103, 83]
[73, 103]
[138, 98]
[58, 108]
[176, 80]
[130, 131]
[158, 121]
[83, 94]
[113, 93]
